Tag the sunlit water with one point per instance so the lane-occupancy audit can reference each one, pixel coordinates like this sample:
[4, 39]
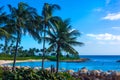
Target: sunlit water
[104, 63]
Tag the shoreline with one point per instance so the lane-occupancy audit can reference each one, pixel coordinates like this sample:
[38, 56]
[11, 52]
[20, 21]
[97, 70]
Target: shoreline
[2, 62]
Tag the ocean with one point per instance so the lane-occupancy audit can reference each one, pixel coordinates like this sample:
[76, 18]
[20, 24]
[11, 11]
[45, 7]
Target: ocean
[96, 62]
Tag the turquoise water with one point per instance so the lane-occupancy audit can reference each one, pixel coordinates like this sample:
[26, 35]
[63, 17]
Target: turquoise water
[104, 63]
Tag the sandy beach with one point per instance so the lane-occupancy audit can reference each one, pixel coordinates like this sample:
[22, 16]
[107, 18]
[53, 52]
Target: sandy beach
[31, 60]
[11, 61]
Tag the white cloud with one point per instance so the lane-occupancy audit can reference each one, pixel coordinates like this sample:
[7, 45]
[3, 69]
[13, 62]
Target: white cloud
[114, 42]
[108, 42]
[105, 36]
[101, 42]
[116, 28]
[112, 16]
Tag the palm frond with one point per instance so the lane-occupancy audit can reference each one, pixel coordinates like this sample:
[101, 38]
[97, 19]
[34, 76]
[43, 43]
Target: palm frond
[69, 49]
[75, 43]
[51, 48]
[4, 33]
[48, 9]
[55, 7]
[74, 32]
[64, 36]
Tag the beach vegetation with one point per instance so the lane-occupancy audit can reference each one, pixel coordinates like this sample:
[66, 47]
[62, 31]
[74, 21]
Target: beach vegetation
[46, 28]
[4, 56]
[30, 74]
[62, 58]
[47, 16]
[22, 21]
[3, 19]
[63, 39]
[1, 72]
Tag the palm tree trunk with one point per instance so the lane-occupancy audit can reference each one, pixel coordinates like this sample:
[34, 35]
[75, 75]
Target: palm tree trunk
[43, 57]
[16, 50]
[6, 47]
[57, 56]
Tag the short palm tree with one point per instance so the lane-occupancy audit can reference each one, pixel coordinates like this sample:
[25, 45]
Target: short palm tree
[47, 15]
[22, 20]
[63, 39]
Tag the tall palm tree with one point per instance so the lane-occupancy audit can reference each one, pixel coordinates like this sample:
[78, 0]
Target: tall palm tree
[47, 15]
[22, 22]
[63, 39]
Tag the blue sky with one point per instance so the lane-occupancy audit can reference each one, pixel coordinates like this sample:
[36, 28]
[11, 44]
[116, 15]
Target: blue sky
[97, 20]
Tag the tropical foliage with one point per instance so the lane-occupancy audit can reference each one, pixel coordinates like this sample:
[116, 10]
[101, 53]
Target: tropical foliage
[63, 39]
[24, 19]
[3, 19]
[31, 74]
[47, 16]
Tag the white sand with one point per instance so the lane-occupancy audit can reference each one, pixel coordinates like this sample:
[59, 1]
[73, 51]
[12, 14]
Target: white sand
[11, 61]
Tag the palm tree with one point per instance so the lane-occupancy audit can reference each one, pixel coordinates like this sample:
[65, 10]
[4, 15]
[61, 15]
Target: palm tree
[2, 16]
[47, 15]
[63, 39]
[3, 20]
[8, 39]
[3, 33]
[22, 22]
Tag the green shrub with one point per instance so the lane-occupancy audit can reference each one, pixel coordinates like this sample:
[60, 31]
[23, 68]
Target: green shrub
[8, 75]
[1, 71]
[53, 58]
[5, 55]
[30, 74]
